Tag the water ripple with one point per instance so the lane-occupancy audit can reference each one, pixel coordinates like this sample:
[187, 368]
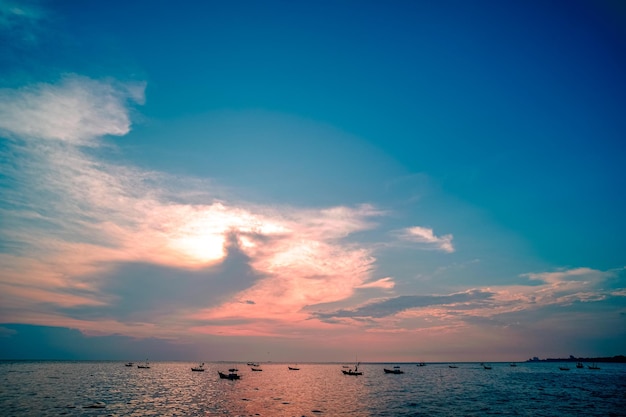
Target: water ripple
[171, 389]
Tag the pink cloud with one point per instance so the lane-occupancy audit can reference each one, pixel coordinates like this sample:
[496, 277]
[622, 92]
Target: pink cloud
[106, 214]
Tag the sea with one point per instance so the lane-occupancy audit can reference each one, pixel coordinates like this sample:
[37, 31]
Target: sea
[107, 388]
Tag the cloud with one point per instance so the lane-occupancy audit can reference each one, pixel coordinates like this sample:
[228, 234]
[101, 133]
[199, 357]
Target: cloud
[384, 283]
[427, 238]
[519, 306]
[13, 13]
[19, 20]
[395, 305]
[302, 269]
[22, 341]
[98, 246]
[77, 110]
[563, 276]
[74, 224]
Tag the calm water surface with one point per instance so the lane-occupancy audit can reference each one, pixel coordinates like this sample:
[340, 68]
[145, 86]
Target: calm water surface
[171, 389]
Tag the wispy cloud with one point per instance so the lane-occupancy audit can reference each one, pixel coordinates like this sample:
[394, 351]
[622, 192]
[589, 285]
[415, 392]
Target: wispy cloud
[77, 110]
[503, 306]
[426, 238]
[19, 19]
[395, 305]
[583, 275]
[384, 283]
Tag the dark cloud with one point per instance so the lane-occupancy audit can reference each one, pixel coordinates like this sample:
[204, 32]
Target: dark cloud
[27, 341]
[146, 292]
[395, 305]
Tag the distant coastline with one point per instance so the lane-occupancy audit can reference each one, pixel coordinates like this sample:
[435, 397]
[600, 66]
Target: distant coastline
[614, 359]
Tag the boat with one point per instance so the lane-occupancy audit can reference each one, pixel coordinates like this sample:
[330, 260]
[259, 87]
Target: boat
[512, 364]
[452, 366]
[580, 365]
[421, 364]
[129, 364]
[487, 367]
[256, 369]
[293, 368]
[564, 368]
[232, 375]
[593, 366]
[199, 368]
[396, 371]
[354, 371]
[146, 365]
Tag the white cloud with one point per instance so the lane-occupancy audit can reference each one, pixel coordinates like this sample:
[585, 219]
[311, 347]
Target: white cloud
[427, 237]
[77, 110]
[566, 275]
[384, 283]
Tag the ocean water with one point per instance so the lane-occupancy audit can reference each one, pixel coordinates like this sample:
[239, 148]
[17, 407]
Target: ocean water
[42, 388]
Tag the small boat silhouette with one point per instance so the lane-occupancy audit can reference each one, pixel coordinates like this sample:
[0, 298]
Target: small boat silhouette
[232, 375]
[199, 368]
[396, 370]
[354, 371]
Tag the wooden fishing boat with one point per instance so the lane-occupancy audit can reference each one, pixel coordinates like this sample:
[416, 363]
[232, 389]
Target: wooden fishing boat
[232, 375]
[354, 371]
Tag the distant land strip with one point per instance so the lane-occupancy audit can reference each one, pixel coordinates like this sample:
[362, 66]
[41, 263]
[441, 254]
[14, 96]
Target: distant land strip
[614, 359]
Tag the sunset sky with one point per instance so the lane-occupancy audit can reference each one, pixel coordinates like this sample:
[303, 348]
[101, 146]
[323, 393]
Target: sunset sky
[312, 180]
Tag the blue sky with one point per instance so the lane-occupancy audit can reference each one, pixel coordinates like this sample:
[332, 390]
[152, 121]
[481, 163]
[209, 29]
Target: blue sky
[312, 180]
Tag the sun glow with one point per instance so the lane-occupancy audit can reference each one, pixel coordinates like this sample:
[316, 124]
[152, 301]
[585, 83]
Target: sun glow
[201, 248]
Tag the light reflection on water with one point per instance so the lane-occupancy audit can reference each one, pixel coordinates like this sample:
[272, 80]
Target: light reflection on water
[171, 389]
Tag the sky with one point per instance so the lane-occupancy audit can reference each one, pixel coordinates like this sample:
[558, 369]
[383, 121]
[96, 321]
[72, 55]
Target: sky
[313, 180]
